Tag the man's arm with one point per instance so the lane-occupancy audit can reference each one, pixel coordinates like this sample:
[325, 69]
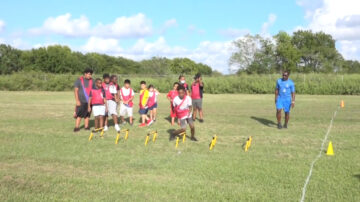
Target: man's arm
[293, 99]
[76, 92]
[276, 94]
[201, 83]
[106, 108]
[89, 105]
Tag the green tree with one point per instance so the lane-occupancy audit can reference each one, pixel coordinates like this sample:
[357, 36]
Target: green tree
[287, 56]
[9, 59]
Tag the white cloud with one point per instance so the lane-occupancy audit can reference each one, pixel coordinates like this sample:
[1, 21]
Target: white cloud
[341, 19]
[194, 29]
[234, 33]
[133, 26]
[64, 25]
[266, 25]
[2, 25]
[170, 23]
[96, 44]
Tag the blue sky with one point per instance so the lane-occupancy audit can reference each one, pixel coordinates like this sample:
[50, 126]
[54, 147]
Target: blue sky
[201, 30]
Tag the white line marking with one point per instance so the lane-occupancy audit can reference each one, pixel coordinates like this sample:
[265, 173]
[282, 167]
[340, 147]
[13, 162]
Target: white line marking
[317, 157]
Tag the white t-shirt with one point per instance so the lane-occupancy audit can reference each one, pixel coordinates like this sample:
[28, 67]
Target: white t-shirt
[152, 93]
[185, 105]
[126, 92]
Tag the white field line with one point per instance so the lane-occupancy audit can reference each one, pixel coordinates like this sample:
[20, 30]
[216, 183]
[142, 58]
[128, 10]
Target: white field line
[318, 156]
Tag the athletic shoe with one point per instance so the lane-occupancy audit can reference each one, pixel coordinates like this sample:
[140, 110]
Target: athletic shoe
[285, 126]
[193, 139]
[201, 120]
[142, 125]
[279, 126]
[124, 123]
[88, 128]
[131, 124]
[117, 127]
[106, 128]
[76, 130]
[150, 122]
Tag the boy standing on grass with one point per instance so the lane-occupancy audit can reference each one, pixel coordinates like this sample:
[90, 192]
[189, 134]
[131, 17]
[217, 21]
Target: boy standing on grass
[182, 105]
[82, 88]
[152, 103]
[111, 95]
[98, 102]
[183, 83]
[170, 96]
[143, 105]
[284, 98]
[197, 95]
[127, 96]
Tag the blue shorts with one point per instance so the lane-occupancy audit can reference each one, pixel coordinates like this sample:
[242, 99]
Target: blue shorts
[153, 107]
[283, 103]
[143, 111]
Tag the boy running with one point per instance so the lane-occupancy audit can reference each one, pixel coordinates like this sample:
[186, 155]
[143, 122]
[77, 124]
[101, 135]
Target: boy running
[127, 96]
[143, 105]
[196, 95]
[111, 95]
[182, 105]
[98, 102]
[170, 96]
[284, 98]
[152, 103]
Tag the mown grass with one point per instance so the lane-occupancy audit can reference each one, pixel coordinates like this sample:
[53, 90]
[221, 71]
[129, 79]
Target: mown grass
[41, 159]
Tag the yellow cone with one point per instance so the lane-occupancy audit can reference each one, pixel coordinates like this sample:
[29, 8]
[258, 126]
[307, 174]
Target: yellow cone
[330, 150]
[342, 104]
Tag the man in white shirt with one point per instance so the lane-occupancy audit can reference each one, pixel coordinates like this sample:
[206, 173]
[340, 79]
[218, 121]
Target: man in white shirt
[127, 96]
[183, 108]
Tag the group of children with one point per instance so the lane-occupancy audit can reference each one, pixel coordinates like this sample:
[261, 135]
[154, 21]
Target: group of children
[105, 96]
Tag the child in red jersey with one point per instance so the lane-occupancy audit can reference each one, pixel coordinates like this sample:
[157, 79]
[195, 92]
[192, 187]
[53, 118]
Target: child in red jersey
[98, 102]
[170, 96]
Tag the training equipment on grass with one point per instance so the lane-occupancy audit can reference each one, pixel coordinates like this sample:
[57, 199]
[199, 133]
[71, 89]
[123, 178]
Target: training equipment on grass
[342, 104]
[330, 150]
[248, 144]
[177, 142]
[147, 139]
[96, 130]
[212, 143]
[118, 135]
[154, 135]
[184, 136]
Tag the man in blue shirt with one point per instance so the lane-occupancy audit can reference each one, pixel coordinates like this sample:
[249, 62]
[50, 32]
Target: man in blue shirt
[284, 97]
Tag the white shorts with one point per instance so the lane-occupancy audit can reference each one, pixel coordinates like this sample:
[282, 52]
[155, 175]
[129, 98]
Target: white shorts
[111, 107]
[98, 110]
[126, 110]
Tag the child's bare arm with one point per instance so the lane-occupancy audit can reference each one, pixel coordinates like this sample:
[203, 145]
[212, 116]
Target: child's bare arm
[89, 105]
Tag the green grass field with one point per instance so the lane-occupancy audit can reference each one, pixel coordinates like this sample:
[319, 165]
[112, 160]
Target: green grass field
[41, 159]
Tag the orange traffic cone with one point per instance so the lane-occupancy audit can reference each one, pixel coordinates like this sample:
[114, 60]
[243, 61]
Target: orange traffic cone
[342, 104]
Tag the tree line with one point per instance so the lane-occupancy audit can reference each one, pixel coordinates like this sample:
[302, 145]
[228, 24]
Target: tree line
[61, 59]
[303, 52]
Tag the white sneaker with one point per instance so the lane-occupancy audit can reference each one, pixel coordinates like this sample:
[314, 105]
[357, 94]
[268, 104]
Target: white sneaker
[150, 122]
[106, 128]
[117, 127]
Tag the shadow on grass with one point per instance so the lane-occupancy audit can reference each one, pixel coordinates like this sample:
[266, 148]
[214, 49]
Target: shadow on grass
[357, 176]
[171, 132]
[263, 121]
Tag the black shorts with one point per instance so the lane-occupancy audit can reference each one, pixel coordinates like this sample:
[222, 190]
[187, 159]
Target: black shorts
[82, 110]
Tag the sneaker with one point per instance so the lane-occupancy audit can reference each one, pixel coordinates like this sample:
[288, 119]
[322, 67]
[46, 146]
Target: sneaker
[285, 126]
[106, 128]
[279, 126]
[150, 122]
[201, 120]
[117, 127]
[193, 139]
[131, 124]
[124, 123]
[76, 130]
[142, 125]
[88, 128]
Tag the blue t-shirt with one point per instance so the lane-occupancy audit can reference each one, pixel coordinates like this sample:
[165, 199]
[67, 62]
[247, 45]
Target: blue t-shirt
[285, 88]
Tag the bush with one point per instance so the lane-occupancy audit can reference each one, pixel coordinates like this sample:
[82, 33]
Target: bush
[322, 84]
